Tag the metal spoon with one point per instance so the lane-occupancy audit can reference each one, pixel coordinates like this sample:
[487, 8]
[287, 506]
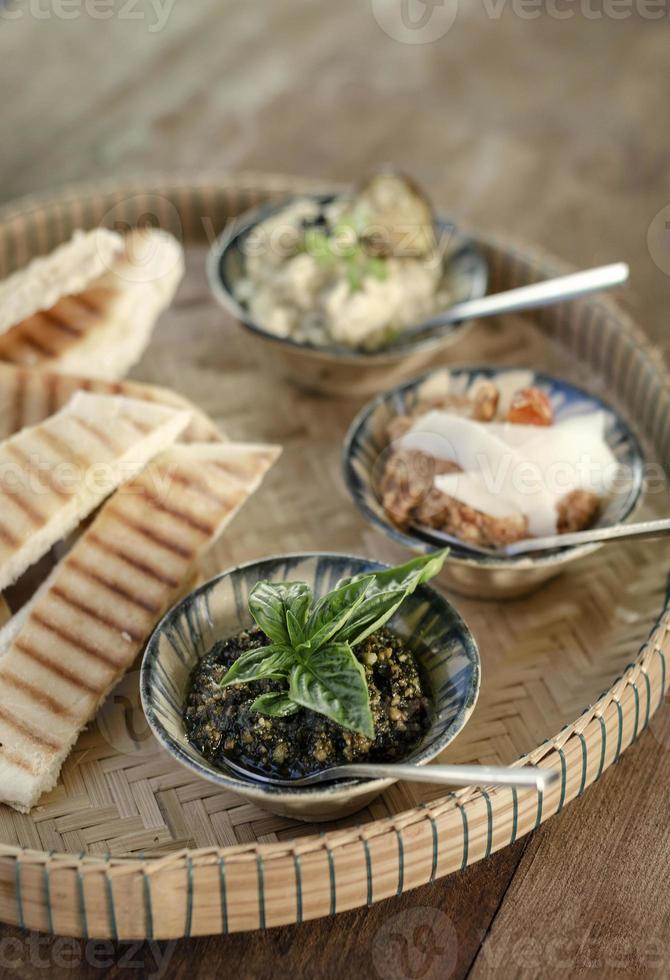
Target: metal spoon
[617, 532]
[453, 775]
[525, 297]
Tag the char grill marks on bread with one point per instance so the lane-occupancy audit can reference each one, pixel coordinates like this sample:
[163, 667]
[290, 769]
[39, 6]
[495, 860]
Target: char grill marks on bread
[30, 395]
[86, 627]
[54, 474]
[103, 327]
[69, 269]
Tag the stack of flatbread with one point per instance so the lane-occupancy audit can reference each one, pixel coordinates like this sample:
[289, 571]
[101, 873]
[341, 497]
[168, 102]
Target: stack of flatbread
[160, 504]
[90, 306]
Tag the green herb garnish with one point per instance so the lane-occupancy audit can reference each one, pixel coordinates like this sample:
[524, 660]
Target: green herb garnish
[342, 248]
[312, 642]
[377, 268]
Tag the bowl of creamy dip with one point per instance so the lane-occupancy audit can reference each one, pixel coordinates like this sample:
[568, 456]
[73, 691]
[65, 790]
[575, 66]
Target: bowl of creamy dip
[329, 283]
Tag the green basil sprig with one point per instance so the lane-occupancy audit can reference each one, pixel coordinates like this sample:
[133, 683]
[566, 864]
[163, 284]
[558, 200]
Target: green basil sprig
[312, 642]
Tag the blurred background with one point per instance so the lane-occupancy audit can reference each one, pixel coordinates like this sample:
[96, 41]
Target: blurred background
[543, 120]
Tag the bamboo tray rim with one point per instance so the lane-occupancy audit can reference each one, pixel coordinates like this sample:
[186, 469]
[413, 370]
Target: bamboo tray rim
[553, 746]
[637, 692]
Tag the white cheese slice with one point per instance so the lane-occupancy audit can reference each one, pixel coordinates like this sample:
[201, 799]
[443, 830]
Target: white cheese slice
[471, 490]
[527, 469]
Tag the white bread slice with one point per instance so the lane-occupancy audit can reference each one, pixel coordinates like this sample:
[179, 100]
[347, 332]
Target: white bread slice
[30, 395]
[85, 629]
[104, 328]
[67, 270]
[55, 474]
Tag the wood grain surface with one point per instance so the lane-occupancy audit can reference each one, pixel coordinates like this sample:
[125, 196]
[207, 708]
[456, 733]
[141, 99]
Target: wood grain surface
[551, 130]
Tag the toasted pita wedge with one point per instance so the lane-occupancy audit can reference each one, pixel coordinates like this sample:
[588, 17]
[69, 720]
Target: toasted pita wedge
[55, 474]
[67, 270]
[103, 328]
[5, 612]
[30, 395]
[85, 628]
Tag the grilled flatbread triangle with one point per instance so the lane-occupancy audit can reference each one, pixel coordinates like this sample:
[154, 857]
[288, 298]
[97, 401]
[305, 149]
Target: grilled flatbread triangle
[55, 474]
[69, 269]
[85, 629]
[30, 395]
[103, 328]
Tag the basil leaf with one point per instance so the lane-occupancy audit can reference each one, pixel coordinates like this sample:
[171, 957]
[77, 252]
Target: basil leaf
[332, 683]
[332, 611]
[277, 704]
[296, 617]
[270, 601]
[385, 592]
[263, 663]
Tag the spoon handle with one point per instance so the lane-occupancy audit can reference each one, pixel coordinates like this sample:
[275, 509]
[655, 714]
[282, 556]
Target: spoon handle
[536, 295]
[619, 532]
[454, 775]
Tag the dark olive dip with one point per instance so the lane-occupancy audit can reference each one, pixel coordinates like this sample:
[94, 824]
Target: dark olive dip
[219, 721]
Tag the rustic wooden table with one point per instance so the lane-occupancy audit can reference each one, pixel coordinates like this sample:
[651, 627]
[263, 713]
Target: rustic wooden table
[549, 128]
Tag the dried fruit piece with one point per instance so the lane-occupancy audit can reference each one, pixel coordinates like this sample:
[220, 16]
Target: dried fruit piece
[530, 406]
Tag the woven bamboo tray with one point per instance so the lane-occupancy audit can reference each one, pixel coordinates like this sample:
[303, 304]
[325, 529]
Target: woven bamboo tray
[131, 845]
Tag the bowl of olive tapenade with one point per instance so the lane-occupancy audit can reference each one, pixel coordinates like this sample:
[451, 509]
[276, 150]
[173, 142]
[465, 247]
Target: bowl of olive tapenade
[292, 664]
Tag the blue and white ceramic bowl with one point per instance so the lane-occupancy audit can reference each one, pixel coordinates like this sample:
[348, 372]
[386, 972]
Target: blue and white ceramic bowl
[339, 371]
[218, 609]
[480, 576]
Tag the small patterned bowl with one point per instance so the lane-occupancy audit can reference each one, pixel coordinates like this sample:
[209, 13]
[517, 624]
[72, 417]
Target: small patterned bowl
[429, 624]
[336, 370]
[480, 576]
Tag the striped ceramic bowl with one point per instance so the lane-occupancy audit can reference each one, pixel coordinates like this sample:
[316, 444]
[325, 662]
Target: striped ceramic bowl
[339, 371]
[480, 576]
[220, 608]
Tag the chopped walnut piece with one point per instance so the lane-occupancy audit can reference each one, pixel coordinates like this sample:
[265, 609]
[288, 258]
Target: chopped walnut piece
[485, 400]
[530, 406]
[577, 511]
[407, 478]
[447, 514]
